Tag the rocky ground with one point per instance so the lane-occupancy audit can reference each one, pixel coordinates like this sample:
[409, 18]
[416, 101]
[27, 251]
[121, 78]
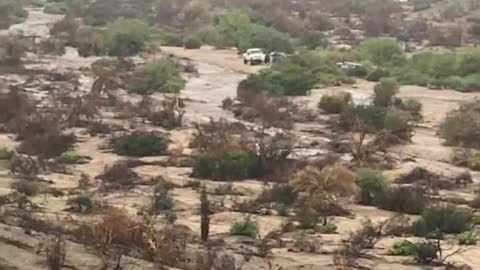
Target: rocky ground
[219, 72]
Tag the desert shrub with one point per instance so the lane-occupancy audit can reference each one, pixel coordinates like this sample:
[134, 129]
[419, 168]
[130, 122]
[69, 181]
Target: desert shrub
[399, 123]
[41, 135]
[380, 51]
[354, 247]
[51, 46]
[372, 186]
[283, 194]
[140, 144]
[467, 239]
[385, 91]
[192, 43]
[284, 79]
[11, 50]
[371, 118]
[55, 8]
[412, 106]
[172, 39]
[377, 74]
[332, 104]
[328, 228]
[158, 76]
[56, 252]
[227, 166]
[82, 203]
[408, 200]
[11, 12]
[14, 103]
[118, 175]
[65, 30]
[443, 219]
[238, 30]
[29, 188]
[245, 228]
[91, 42]
[72, 158]
[426, 252]
[462, 126]
[471, 83]
[226, 189]
[333, 179]
[127, 37]
[162, 202]
[403, 248]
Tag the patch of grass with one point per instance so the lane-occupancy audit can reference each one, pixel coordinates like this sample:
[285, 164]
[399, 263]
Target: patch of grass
[403, 248]
[72, 158]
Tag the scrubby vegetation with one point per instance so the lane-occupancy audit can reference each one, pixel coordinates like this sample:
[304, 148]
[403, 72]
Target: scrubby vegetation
[443, 219]
[11, 12]
[159, 76]
[140, 144]
[462, 126]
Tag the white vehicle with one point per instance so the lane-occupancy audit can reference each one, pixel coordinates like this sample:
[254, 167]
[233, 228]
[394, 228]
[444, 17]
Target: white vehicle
[254, 56]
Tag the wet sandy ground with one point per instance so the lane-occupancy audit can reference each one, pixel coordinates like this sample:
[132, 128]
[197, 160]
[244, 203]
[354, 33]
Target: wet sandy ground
[219, 73]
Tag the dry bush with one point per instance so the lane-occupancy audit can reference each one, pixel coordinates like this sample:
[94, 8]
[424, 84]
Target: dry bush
[29, 188]
[14, 103]
[357, 244]
[56, 252]
[26, 165]
[118, 175]
[335, 179]
[82, 111]
[42, 135]
[114, 237]
[269, 111]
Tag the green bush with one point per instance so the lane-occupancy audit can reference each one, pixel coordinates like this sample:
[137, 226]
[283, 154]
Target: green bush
[283, 194]
[162, 201]
[471, 83]
[173, 39]
[412, 106]
[72, 158]
[332, 104]
[286, 79]
[467, 239]
[11, 12]
[140, 144]
[231, 165]
[377, 74]
[403, 248]
[372, 118]
[385, 91]
[461, 127]
[127, 37]
[399, 123]
[158, 76]
[245, 228]
[380, 51]
[56, 8]
[443, 219]
[408, 200]
[238, 30]
[426, 252]
[372, 185]
[90, 42]
[192, 43]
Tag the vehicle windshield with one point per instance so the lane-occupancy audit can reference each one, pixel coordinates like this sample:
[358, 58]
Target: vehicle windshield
[255, 51]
